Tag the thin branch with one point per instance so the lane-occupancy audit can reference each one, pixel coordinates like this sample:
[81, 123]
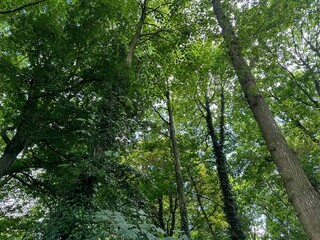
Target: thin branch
[15, 176]
[200, 107]
[33, 183]
[312, 47]
[306, 131]
[160, 115]
[21, 7]
[5, 181]
[156, 9]
[315, 103]
[155, 33]
[302, 101]
[283, 223]
[202, 208]
[55, 151]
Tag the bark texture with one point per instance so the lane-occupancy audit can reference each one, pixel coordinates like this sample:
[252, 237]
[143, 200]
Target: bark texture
[230, 207]
[301, 194]
[177, 165]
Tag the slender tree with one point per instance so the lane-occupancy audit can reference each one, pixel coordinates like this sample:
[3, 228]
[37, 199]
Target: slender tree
[177, 165]
[230, 205]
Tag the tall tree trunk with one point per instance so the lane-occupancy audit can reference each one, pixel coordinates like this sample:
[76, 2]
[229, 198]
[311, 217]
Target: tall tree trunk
[135, 39]
[230, 206]
[177, 165]
[301, 194]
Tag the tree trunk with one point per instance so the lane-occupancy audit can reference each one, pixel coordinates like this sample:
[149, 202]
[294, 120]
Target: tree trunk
[160, 213]
[177, 165]
[301, 194]
[230, 206]
[13, 149]
[135, 39]
[173, 208]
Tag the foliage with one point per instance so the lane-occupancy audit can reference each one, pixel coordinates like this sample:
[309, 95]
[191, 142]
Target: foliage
[96, 161]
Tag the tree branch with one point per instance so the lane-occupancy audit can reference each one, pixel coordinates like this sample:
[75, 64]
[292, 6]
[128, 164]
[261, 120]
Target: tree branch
[21, 7]
[306, 131]
[32, 183]
[135, 39]
[12, 150]
[160, 116]
[5, 181]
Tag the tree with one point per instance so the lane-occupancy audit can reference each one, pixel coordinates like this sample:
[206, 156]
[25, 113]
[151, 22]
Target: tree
[177, 166]
[68, 113]
[106, 130]
[295, 180]
[230, 206]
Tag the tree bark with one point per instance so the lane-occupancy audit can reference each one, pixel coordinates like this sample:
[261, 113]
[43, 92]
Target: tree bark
[230, 207]
[12, 150]
[135, 39]
[173, 208]
[177, 165]
[301, 194]
[160, 213]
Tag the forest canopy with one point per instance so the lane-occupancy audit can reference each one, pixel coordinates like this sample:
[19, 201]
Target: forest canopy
[159, 119]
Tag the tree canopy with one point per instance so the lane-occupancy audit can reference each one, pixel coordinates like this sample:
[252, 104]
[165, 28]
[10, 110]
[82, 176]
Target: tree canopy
[159, 119]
